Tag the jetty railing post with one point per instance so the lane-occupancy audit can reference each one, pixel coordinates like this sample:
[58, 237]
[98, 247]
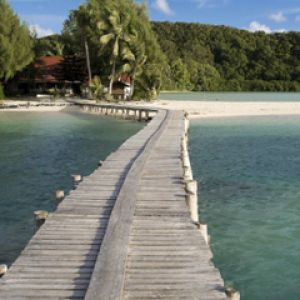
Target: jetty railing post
[147, 115]
[232, 294]
[186, 123]
[188, 174]
[192, 199]
[59, 196]
[203, 228]
[40, 217]
[76, 179]
[3, 270]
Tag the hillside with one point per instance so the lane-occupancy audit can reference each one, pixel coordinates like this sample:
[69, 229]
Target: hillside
[206, 57]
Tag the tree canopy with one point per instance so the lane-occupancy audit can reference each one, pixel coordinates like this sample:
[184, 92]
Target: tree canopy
[212, 58]
[120, 39]
[15, 43]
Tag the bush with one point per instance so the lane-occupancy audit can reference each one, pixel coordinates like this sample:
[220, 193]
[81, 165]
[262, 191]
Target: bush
[2, 96]
[97, 88]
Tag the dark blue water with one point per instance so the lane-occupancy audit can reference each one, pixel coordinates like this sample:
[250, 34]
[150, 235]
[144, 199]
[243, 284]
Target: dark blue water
[249, 174]
[38, 153]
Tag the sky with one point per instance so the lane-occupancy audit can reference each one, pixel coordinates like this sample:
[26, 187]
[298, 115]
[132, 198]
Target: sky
[47, 16]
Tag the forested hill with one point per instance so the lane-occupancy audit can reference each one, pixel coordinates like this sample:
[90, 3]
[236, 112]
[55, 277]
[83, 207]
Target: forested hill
[206, 57]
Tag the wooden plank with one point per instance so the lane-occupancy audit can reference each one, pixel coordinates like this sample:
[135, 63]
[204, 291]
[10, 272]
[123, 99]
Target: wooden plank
[112, 258]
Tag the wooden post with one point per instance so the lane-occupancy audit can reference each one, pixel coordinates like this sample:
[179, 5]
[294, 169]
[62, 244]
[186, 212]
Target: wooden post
[203, 228]
[3, 270]
[186, 124]
[40, 218]
[232, 294]
[76, 179]
[59, 196]
[192, 199]
[188, 175]
[147, 115]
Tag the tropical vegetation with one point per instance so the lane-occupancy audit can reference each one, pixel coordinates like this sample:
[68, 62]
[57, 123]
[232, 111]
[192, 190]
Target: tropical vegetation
[113, 37]
[15, 44]
[119, 39]
[219, 58]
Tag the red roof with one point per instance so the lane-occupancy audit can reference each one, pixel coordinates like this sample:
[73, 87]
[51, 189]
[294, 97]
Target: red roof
[125, 78]
[49, 69]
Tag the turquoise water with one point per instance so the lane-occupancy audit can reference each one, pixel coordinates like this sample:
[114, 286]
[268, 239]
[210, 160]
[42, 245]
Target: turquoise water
[249, 174]
[38, 153]
[234, 96]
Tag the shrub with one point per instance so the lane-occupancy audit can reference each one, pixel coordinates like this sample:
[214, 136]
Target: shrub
[2, 96]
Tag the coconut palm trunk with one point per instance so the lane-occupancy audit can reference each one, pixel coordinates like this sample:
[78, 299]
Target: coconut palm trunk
[132, 86]
[112, 76]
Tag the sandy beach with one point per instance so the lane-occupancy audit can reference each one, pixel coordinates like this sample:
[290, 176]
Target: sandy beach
[210, 109]
[35, 106]
[35, 109]
[199, 109]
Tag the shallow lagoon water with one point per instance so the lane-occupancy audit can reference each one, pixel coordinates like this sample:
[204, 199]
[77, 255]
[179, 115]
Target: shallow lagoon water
[249, 174]
[232, 96]
[38, 153]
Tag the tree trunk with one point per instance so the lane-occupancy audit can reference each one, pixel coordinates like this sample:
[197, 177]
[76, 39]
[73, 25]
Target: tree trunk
[113, 74]
[132, 86]
[88, 64]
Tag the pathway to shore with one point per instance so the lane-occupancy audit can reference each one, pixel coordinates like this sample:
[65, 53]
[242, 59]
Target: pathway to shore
[124, 233]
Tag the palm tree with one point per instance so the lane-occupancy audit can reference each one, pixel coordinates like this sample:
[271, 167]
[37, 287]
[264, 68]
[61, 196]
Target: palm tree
[136, 59]
[114, 30]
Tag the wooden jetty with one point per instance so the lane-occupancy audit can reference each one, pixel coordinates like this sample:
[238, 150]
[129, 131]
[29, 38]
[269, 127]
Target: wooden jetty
[128, 231]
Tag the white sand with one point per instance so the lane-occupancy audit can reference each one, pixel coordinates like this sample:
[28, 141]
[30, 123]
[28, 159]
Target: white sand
[209, 109]
[203, 109]
[35, 109]
[35, 106]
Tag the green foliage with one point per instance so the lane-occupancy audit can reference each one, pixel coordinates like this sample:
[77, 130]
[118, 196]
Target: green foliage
[2, 96]
[120, 39]
[15, 43]
[49, 45]
[223, 58]
[97, 88]
[55, 93]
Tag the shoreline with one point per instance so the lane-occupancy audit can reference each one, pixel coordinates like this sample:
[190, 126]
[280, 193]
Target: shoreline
[222, 109]
[34, 109]
[196, 109]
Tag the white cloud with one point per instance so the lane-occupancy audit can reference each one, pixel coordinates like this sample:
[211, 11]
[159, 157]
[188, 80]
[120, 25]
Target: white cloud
[282, 30]
[256, 26]
[164, 7]
[278, 17]
[210, 3]
[40, 32]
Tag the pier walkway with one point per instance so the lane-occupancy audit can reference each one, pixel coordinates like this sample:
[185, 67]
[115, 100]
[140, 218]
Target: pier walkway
[125, 232]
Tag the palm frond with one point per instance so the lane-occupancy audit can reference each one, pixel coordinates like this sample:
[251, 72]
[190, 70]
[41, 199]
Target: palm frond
[127, 54]
[105, 39]
[126, 68]
[116, 49]
[102, 26]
